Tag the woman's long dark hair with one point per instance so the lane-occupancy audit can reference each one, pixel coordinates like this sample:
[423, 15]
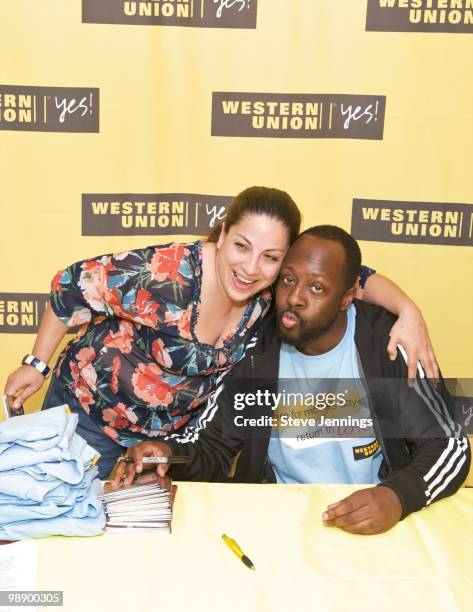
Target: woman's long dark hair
[262, 201]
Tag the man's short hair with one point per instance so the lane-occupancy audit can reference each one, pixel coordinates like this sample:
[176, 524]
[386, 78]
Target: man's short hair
[349, 244]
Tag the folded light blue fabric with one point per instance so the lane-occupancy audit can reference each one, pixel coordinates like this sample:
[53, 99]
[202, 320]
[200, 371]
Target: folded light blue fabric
[67, 463]
[48, 478]
[78, 458]
[19, 487]
[85, 505]
[65, 526]
[86, 518]
[39, 430]
[16, 456]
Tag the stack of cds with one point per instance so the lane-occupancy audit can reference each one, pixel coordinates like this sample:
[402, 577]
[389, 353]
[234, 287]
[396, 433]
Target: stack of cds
[145, 506]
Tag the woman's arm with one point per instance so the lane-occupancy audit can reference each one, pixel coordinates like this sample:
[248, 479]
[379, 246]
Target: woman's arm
[410, 330]
[26, 380]
[133, 285]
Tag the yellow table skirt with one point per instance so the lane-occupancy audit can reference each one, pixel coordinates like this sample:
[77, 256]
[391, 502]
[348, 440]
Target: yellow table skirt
[424, 563]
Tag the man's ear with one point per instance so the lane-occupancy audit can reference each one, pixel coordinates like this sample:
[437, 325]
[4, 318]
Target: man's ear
[348, 297]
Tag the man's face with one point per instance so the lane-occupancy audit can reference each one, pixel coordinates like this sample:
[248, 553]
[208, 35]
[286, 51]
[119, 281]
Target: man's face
[311, 296]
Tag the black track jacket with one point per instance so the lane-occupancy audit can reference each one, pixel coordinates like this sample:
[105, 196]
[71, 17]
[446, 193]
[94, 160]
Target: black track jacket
[426, 456]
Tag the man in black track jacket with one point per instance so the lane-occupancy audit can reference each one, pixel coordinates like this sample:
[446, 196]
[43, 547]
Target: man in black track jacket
[414, 450]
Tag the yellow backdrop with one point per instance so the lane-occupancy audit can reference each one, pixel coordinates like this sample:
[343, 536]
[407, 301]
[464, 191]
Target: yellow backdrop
[111, 101]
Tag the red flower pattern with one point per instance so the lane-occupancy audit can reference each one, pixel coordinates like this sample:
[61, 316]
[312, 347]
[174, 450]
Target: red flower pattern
[55, 284]
[161, 354]
[116, 367]
[145, 309]
[165, 264]
[149, 386]
[119, 416]
[184, 324]
[122, 339]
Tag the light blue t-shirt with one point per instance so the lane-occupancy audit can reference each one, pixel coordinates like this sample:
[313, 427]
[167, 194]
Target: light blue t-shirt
[302, 455]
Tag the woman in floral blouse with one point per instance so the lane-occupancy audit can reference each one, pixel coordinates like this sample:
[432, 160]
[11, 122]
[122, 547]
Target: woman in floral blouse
[158, 324]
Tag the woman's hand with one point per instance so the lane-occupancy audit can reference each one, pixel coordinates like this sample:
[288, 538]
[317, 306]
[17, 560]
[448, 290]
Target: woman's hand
[22, 383]
[410, 331]
[26, 380]
[125, 472]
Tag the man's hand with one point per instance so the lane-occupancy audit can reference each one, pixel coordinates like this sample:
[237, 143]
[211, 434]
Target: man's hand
[368, 511]
[126, 472]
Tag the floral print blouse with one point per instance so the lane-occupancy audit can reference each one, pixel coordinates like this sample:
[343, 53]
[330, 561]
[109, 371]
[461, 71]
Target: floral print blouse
[136, 365]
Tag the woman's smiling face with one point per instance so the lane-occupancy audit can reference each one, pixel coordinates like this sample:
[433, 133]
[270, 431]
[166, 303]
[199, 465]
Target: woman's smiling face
[250, 254]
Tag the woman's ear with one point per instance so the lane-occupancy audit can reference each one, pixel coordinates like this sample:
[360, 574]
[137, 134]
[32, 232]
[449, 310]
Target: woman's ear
[221, 237]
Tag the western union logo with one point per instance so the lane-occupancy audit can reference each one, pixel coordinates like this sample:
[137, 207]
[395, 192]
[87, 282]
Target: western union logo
[297, 115]
[152, 214]
[416, 222]
[21, 313]
[365, 451]
[49, 109]
[158, 8]
[194, 13]
[17, 108]
[420, 15]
